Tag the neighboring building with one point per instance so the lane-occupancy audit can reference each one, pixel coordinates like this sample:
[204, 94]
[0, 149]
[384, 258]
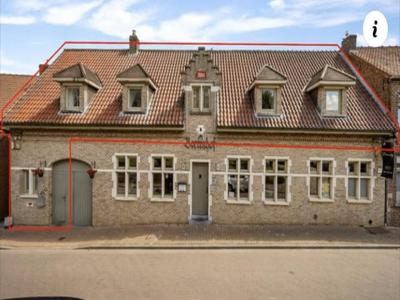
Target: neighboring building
[297, 98]
[381, 68]
[9, 85]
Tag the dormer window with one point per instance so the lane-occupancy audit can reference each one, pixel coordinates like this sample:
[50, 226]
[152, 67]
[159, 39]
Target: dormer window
[73, 98]
[138, 89]
[328, 89]
[78, 86]
[333, 101]
[135, 98]
[265, 91]
[268, 100]
[201, 97]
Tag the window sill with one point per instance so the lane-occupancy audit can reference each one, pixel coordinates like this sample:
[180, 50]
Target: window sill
[27, 196]
[277, 203]
[319, 200]
[133, 111]
[125, 198]
[240, 202]
[268, 115]
[362, 201]
[162, 200]
[199, 112]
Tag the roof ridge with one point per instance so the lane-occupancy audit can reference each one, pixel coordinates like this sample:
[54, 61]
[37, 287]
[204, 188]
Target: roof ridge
[15, 74]
[210, 50]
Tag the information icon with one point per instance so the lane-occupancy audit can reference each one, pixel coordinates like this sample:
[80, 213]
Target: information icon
[375, 28]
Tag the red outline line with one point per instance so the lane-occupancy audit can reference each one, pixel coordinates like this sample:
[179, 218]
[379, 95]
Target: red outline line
[169, 142]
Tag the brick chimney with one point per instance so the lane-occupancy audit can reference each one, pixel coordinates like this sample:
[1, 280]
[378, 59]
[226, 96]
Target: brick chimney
[349, 42]
[133, 43]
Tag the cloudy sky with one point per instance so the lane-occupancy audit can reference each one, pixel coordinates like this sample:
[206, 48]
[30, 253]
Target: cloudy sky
[31, 30]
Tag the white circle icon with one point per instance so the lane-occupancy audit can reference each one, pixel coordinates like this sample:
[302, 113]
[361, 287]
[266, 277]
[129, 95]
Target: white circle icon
[375, 28]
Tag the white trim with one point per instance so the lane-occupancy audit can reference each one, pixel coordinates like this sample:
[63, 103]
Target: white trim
[190, 198]
[161, 171]
[31, 192]
[138, 81]
[126, 171]
[320, 175]
[266, 82]
[358, 178]
[201, 100]
[238, 173]
[275, 174]
[330, 83]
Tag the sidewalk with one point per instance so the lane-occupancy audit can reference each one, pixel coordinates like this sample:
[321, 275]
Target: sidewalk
[207, 236]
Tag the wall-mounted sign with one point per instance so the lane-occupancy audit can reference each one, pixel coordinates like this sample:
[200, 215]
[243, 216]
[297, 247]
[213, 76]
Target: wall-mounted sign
[201, 74]
[201, 143]
[182, 187]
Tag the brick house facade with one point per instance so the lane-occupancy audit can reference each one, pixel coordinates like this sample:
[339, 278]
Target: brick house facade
[381, 68]
[230, 137]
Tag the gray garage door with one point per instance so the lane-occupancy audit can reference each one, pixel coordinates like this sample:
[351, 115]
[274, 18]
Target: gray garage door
[81, 194]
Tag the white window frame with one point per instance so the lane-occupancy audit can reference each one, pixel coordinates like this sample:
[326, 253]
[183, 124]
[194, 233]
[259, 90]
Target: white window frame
[340, 99]
[31, 193]
[238, 173]
[275, 94]
[67, 102]
[275, 174]
[321, 175]
[126, 171]
[358, 178]
[201, 100]
[135, 87]
[161, 171]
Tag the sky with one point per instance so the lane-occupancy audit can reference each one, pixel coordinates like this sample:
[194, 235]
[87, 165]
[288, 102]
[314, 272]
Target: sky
[30, 30]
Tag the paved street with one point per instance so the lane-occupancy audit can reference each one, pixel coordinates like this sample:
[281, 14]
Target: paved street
[202, 274]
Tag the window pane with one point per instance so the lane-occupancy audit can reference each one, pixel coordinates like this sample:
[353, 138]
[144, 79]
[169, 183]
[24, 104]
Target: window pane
[156, 162]
[196, 97]
[314, 186]
[232, 186]
[326, 187]
[333, 101]
[269, 166]
[206, 97]
[281, 166]
[132, 162]
[232, 164]
[121, 162]
[169, 163]
[352, 185]
[73, 97]
[168, 184]
[364, 184]
[120, 184]
[244, 165]
[35, 184]
[326, 167]
[268, 99]
[352, 168]
[281, 188]
[269, 187]
[156, 184]
[135, 98]
[314, 167]
[364, 167]
[244, 187]
[132, 184]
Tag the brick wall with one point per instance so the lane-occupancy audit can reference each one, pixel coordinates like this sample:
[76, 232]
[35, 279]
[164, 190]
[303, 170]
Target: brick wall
[42, 146]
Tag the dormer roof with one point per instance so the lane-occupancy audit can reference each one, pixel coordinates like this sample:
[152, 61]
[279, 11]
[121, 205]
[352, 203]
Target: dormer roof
[135, 73]
[329, 75]
[268, 75]
[78, 73]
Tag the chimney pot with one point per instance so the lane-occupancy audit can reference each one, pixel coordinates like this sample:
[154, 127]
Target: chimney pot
[133, 43]
[349, 42]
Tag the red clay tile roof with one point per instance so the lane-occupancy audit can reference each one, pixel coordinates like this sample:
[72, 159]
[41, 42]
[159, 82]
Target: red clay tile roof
[40, 105]
[386, 59]
[10, 84]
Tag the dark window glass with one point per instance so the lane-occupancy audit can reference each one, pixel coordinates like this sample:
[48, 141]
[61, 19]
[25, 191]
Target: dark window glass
[168, 184]
[326, 167]
[364, 168]
[269, 187]
[135, 98]
[206, 97]
[314, 167]
[268, 99]
[157, 162]
[232, 164]
[244, 165]
[269, 166]
[73, 97]
[244, 186]
[352, 168]
[120, 184]
[281, 188]
[121, 162]
[281, 166]
[196, 97]
[314, 186]
[132, 183]
[169, 163]
[157, 184]
[232, 186]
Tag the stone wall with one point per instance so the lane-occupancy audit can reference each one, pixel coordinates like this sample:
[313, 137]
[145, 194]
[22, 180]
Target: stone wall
[40, 147]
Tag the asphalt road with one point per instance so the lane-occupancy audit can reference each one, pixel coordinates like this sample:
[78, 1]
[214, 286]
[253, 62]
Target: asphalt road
[202, 274]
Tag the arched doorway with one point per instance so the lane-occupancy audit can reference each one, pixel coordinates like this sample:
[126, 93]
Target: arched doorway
[81, 193]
